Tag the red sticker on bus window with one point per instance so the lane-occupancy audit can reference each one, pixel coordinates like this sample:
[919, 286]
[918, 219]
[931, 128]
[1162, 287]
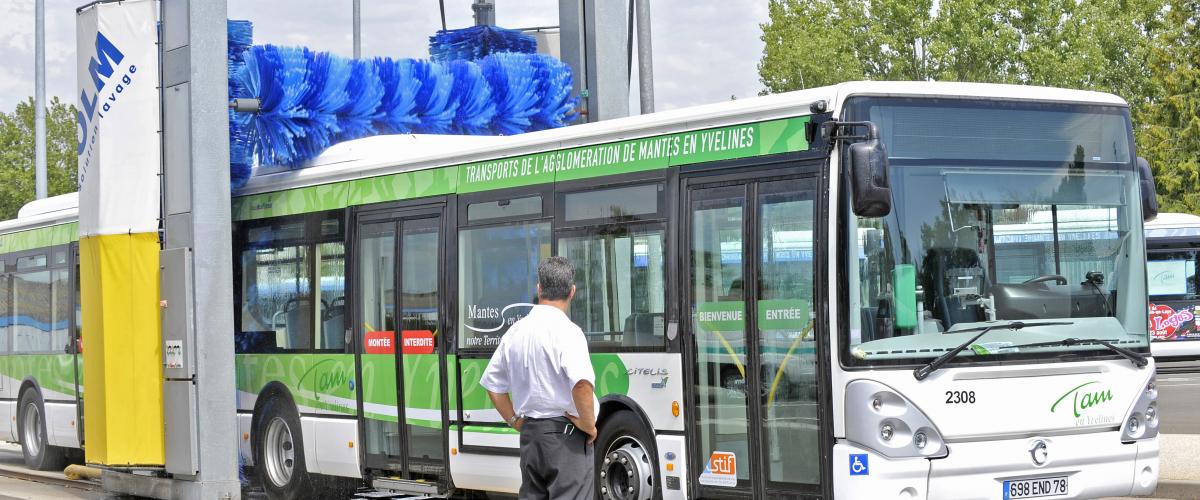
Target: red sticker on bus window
[380, 342]
[1166, 323]
[417, 341]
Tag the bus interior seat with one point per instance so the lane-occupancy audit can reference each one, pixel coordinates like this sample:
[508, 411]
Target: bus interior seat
[643, 329]
[298, 323]
[945, 269]
[333, 326]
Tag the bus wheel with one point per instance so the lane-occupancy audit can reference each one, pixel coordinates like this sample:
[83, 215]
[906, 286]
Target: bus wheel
[625, 470]
[31, 427]
[279, 451]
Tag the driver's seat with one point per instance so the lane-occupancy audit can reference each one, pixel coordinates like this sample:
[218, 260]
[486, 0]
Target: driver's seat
[945, 269]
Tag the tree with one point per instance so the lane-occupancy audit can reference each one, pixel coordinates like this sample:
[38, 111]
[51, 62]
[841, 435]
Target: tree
[17, 154]
[1168, 131]
[1146, 51]
[1094, 44]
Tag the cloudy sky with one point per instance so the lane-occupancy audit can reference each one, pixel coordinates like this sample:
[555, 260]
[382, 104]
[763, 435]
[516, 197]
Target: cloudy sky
[703, 51]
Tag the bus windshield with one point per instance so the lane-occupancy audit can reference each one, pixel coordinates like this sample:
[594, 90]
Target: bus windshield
[1001, 212]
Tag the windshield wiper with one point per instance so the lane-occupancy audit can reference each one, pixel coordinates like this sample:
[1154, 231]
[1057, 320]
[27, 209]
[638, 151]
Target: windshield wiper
[927, 370]
[1138, 360]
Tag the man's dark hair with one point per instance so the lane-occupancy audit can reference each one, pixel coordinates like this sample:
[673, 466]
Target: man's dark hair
[556, 275]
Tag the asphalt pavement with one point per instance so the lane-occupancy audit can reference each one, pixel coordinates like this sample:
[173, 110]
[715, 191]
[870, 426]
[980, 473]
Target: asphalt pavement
[17, 482]
[1179, 397]
[1179, 430]
[14, 489]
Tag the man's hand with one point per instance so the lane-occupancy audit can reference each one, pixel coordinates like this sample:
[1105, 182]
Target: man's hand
[588, 427]
[503, 404]
[581, 394]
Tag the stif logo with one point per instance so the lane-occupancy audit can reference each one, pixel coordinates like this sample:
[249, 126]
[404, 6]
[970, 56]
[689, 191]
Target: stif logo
[723, 462]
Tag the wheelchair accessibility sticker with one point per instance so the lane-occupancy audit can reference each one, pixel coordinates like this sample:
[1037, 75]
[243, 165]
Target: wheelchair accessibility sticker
[858, 465]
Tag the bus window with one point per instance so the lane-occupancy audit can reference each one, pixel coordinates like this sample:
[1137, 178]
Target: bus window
[31, 262]
[61, 290]
[619, 297]
[613, 204]
[1172, 275]
[276, 296]
[331, 295]
[503, 209]
[31, 311]
[497, 279]
[5, 311]
[1174, 298]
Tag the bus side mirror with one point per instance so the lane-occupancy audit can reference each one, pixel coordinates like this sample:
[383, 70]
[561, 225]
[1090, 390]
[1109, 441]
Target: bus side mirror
[869, 178]
[1149, 199]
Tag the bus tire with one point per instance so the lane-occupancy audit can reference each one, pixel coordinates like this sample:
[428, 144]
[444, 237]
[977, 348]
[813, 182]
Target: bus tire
[625, 458]
[279, 451]
[31, 428]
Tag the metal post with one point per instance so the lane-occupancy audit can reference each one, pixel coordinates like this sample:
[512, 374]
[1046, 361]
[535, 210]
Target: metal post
[645, 57]
[594, 37]
[357, 29]
[39, 100]
[197, 246]
[485, 12]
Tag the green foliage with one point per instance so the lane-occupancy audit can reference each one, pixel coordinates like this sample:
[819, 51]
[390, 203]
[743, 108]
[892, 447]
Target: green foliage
[1146, 51]
[1168, 125]
[1094, 44]
[17, 154]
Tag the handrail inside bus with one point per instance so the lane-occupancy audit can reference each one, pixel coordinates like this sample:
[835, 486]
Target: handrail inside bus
[783, 364]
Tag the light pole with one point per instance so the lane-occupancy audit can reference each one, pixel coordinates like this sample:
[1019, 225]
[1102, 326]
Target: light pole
[39, 100]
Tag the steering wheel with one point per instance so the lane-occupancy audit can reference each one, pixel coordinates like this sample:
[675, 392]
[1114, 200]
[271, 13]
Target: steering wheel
[1058, 278]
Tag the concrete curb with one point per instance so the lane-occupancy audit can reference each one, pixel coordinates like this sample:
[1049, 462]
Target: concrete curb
[1178, 489]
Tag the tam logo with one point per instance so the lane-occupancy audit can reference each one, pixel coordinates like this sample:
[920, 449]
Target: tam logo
[1083, 399]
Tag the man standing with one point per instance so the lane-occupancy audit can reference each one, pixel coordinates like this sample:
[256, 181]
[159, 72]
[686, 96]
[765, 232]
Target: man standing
[543, 362]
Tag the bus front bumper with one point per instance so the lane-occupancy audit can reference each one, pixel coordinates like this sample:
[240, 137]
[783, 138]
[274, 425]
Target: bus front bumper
[1092, 465]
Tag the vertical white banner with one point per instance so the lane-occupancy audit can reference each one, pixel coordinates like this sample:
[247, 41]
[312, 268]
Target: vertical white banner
[118, 118]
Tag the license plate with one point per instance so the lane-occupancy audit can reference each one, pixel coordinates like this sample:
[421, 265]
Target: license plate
[1034, 488]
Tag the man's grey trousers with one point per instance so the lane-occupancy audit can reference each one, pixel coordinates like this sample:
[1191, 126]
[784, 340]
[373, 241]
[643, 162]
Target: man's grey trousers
[556, 461]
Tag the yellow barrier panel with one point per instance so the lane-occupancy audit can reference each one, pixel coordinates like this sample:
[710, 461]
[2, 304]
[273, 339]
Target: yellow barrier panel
[123, 409]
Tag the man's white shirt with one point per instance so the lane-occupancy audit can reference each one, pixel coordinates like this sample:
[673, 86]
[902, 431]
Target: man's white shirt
[539, 361]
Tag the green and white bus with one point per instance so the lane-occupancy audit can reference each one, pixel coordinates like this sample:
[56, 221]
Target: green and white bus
[41, 376]
[811, 294]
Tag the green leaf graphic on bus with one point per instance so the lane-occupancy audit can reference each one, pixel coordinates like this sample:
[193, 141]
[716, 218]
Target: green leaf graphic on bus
[611, 378]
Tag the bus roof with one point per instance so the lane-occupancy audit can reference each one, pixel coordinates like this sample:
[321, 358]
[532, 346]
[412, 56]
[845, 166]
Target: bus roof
[1173, 225]
[54, 210]
[389, 154]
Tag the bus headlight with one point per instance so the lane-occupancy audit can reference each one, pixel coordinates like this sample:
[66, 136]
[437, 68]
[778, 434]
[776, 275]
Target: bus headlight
[920, 440]
[1142, 421]
[879, 418]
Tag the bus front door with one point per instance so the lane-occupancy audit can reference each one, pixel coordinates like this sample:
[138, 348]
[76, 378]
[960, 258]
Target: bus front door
[399, 327]
[750, 272]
